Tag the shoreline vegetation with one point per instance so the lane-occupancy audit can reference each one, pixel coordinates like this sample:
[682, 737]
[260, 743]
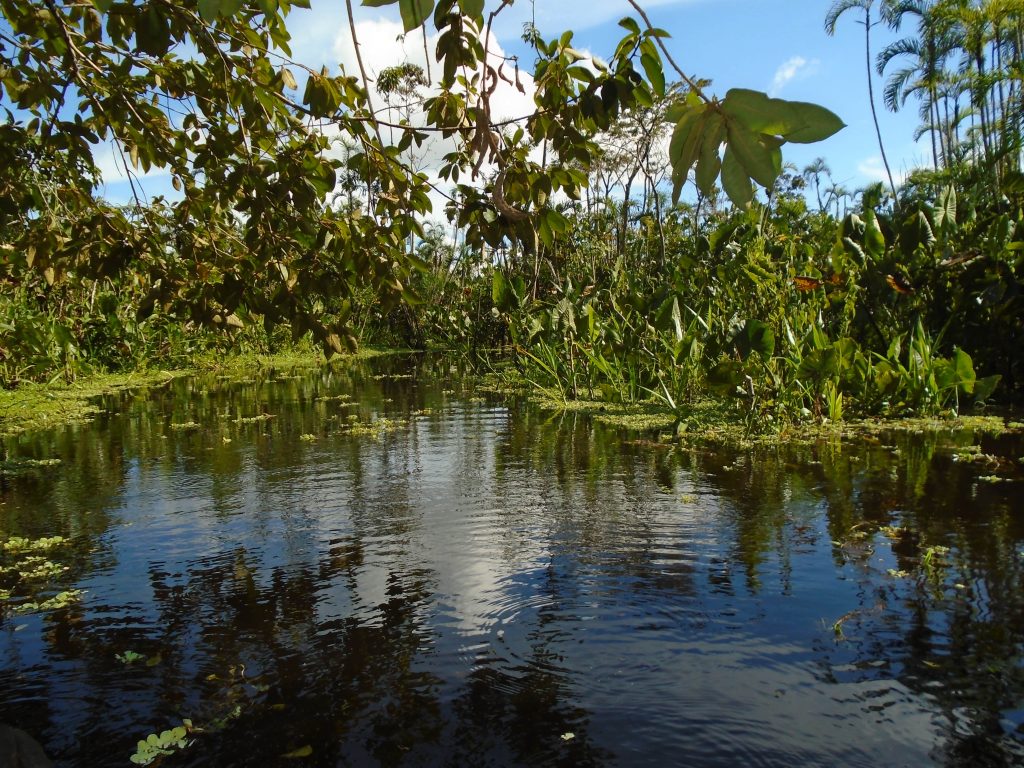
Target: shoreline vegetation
[714, 291]
[38, 406]
[33, 406]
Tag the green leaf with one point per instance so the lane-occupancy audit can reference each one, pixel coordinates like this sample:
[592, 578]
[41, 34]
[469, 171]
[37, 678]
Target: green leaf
[983, 388]
[153, 35]
[796, 121]
[709, 164]
[811, 123]
[755, 336]
[735, 181]
[501, 292]
[415, 12]
[655, 74]
[874, 240]
[756, 112]
[725, 376]
[472, 7]
[762, 164]
[945, 211]
[686, 143]
[304, 751]
[209, 9]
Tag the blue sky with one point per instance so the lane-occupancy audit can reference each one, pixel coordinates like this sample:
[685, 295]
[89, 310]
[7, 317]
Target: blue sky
[778, 46]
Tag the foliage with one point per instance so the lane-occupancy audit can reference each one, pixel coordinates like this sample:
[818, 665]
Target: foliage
[607, 268]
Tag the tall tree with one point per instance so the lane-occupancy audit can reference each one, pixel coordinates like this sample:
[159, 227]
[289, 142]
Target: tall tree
[838, 9]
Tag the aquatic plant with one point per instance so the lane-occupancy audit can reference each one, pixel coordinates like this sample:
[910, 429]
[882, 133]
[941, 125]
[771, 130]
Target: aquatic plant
[158, 745]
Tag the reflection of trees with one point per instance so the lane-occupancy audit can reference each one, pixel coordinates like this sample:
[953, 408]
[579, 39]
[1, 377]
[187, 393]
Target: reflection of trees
[311, 593]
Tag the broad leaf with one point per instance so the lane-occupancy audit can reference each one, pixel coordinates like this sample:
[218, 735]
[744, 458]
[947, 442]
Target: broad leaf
[755, 336]
[811, 123]
[762, 164]
[735, 181]
[415, 12]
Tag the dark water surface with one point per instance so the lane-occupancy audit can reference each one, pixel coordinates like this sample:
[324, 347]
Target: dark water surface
[482, 583]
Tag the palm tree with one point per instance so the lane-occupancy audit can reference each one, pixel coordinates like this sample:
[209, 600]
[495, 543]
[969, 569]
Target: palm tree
[925, 73]
[839, 7]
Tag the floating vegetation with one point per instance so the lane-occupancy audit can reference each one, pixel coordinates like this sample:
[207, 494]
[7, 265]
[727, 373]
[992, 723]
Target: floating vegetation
[18, 544]
[392, 376]
[33, 571]
[377, 428]
[129, 657]
[993, 479]
[973, 454]
[158, 745]
[60, 600]
[893, 532]
[186, 426]
[35, 406]
[254, 419]
[24, 466]
[308, 437]
[332, 398]
[34, 568]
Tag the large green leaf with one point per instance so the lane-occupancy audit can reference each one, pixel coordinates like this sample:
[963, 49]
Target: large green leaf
[415, 12]
[209, 9]
[762, 163]
[758, 113]
[735, 181]
[811, 123]
[725, 377]
[755, 336]
[795, 121]
[709, 162]
[652, 66]
[472, 7]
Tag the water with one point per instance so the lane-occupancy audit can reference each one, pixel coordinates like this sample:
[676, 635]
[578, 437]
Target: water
[478, 582]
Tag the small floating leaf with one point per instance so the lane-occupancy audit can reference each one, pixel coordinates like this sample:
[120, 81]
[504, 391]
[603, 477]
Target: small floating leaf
[569, 736]
[305, 751]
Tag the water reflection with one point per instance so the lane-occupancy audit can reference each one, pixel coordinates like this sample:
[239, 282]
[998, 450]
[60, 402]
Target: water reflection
[462, 580]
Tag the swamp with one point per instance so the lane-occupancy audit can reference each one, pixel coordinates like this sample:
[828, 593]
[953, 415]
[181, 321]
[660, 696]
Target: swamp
[474, 383]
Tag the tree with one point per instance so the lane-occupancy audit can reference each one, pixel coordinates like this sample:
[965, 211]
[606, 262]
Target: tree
[207, 90]
[840, 7]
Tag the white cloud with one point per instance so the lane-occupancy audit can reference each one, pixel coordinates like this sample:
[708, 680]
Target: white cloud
[382, 44]
[873, 170]
[796, 68]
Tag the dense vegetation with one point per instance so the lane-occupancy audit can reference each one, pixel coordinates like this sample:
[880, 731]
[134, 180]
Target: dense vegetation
[606, 266]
